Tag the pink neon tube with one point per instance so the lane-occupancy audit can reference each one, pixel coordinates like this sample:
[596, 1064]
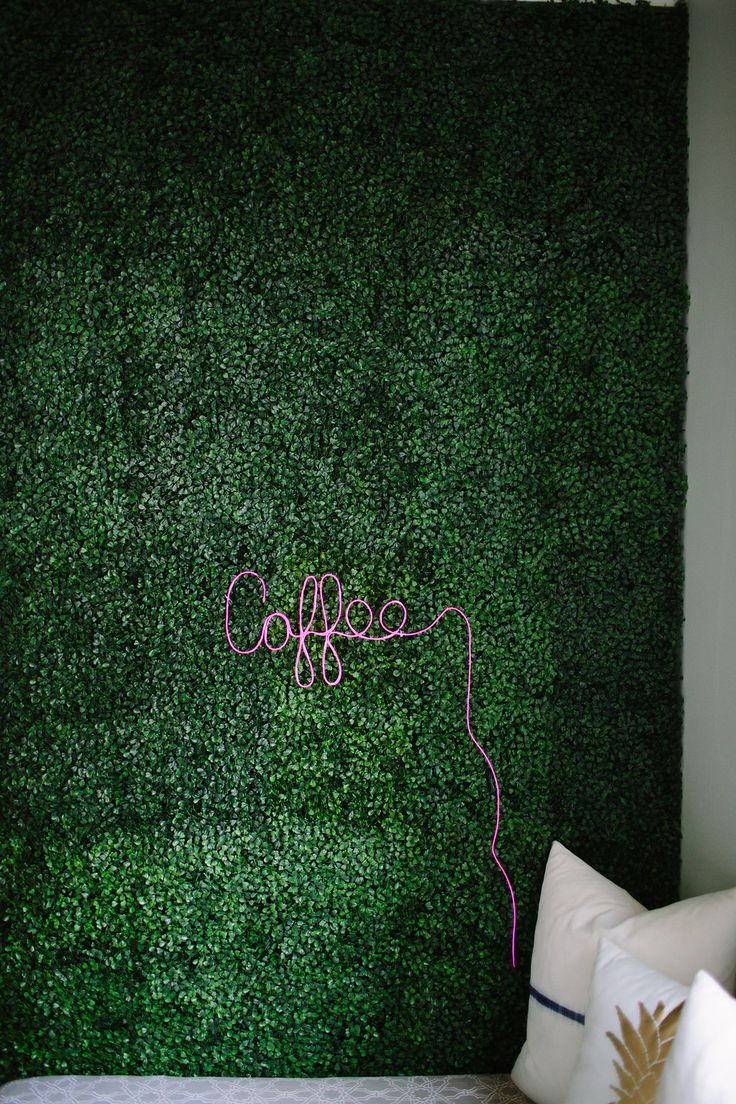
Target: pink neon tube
[311, 606]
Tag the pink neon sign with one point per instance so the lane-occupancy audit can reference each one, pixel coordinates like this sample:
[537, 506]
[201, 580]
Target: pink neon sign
[315, 621]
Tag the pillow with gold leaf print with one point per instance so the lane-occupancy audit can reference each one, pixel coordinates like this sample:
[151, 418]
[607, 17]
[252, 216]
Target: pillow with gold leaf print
[630, 1024]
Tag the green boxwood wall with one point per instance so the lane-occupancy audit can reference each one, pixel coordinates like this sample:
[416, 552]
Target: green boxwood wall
[392, 289]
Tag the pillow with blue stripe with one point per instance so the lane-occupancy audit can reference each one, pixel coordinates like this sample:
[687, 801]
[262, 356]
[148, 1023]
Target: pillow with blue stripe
[577, 907]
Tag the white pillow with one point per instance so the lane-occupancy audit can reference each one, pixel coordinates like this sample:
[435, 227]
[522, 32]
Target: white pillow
[701, 1068]
[630, 1026]
[576, 908]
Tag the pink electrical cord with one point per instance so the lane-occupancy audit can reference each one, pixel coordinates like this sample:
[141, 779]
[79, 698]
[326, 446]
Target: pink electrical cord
[308, 612]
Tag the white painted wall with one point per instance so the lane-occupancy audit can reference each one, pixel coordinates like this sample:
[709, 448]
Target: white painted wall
[709, 658]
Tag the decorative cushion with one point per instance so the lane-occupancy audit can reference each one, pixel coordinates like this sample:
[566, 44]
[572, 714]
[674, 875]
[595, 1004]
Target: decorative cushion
[578, 906]
[630, 1025]
[701, 1068]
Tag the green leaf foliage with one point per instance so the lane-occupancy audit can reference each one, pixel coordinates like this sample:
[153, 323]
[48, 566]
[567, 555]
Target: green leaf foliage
[378, 287]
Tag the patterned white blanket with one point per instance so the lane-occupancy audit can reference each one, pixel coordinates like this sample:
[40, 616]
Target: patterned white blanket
[262, 1090]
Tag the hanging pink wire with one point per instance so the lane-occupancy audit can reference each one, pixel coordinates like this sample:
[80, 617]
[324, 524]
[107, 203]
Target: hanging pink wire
[312, 603]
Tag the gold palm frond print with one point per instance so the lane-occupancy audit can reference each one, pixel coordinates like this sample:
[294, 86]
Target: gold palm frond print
[642, 1052]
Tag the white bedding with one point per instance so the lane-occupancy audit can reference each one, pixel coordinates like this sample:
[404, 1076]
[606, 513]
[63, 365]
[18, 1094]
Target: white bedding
[262, 1090]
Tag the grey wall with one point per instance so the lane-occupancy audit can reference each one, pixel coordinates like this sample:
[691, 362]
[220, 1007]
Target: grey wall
[709, 797]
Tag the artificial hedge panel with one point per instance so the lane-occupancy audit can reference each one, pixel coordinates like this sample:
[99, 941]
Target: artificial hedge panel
[394, 290]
